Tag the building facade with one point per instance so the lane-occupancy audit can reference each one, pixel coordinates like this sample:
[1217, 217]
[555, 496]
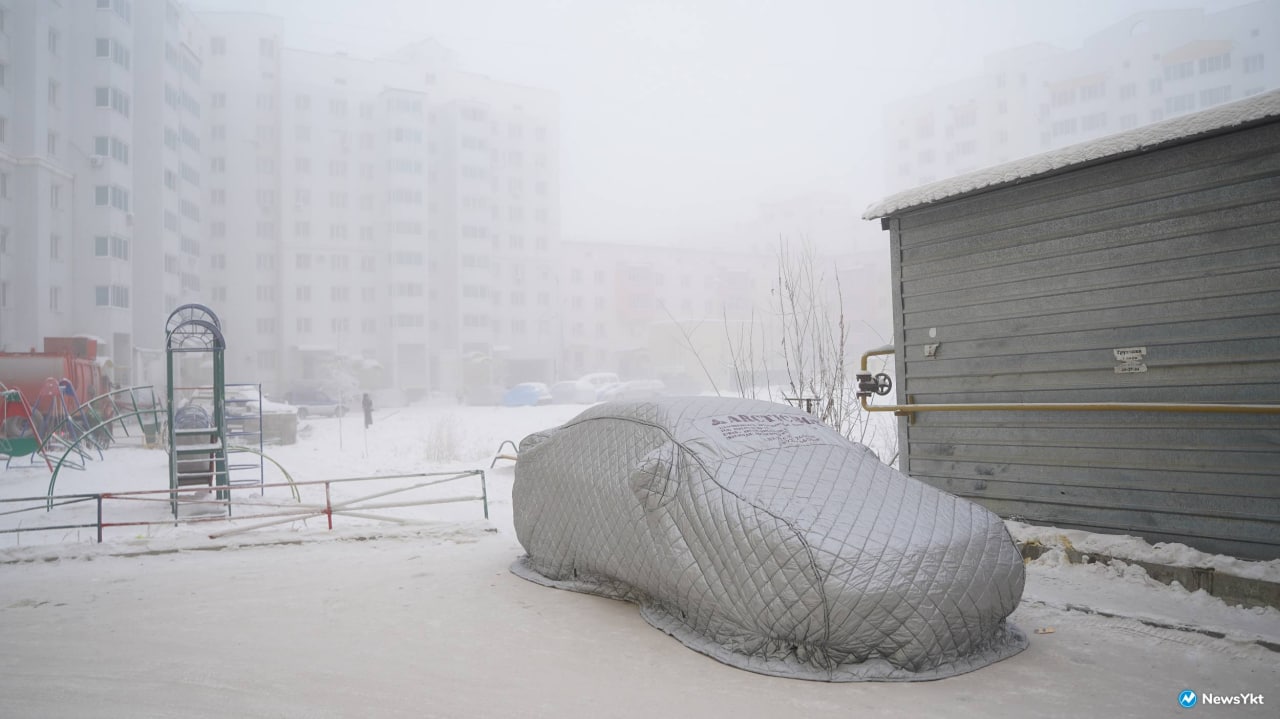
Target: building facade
[1153, 66]
[350, 220]
[1088, 338]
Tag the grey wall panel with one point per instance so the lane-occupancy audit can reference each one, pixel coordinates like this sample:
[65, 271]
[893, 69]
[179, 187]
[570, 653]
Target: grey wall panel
[1022, 294]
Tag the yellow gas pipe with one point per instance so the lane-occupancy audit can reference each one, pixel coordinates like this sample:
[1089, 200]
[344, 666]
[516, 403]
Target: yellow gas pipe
[910, 409]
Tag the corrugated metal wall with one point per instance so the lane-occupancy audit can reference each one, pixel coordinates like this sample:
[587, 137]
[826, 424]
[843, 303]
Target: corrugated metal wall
[1027, 292]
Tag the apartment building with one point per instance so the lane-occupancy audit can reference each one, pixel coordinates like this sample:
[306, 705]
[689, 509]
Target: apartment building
[375, 220]
[169, 246]
[242, 188]
[66, 173]
[646, 311]
[1154, 65]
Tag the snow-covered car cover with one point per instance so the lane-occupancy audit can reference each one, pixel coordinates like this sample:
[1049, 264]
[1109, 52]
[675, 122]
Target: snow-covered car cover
[755, 534]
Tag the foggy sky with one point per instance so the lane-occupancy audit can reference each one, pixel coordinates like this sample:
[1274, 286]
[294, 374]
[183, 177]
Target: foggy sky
[679, 116]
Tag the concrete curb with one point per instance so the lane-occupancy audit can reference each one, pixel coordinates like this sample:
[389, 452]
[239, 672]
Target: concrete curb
[1229, 588]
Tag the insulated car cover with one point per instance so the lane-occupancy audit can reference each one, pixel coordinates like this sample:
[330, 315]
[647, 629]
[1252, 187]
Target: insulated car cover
[755, 534]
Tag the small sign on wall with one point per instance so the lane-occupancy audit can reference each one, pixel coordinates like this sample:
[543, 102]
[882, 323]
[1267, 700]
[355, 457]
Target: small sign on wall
[1130, 359]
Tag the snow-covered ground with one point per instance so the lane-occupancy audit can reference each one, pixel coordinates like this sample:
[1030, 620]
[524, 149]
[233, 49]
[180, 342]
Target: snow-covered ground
[420, 617]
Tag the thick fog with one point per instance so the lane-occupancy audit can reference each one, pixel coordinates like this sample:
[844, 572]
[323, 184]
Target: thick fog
[431, 194]
[678, 118]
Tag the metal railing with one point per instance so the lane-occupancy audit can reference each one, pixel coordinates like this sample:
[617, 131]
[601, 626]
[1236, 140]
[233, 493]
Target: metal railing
[286, 510]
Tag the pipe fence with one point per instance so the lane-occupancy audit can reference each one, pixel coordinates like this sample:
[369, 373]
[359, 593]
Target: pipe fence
[279, 510]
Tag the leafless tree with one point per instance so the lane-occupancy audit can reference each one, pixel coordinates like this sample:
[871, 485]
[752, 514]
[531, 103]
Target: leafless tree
[808, 329]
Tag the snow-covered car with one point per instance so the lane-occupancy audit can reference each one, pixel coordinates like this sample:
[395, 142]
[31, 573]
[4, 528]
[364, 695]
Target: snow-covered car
[573, 392]
[759, 536]
[527, 394]
[609, 391]
[639, 389]
[315, 403]
[600, 380]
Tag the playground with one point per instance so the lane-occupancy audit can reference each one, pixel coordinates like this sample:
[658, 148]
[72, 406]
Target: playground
[141, 459]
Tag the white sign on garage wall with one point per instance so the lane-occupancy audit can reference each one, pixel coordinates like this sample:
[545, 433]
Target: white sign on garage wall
[1130, 359]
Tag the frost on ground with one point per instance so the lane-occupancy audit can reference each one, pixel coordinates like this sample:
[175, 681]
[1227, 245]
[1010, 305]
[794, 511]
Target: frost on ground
[420, 617]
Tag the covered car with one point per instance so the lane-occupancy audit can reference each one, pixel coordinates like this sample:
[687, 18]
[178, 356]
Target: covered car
[755, 534]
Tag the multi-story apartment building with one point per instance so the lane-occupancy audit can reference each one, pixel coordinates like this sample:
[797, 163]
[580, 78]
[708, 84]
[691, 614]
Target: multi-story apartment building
[169, 247]
[379, 217]
[1153, 66]
[645, 311]
[681, 313]
[66, 173]
[395, 215]
[242, 188]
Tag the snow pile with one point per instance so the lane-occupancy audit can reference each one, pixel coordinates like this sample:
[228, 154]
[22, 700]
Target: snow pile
[1122, 589]
[1136, 549]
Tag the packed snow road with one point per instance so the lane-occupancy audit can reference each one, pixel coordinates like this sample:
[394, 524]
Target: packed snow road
[428, 622]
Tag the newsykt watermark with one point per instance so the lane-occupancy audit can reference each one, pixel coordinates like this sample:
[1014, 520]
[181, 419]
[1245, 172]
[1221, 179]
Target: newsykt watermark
[1188, 698]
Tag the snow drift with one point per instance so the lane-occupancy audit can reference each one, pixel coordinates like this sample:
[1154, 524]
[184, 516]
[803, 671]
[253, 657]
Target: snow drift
[756, 535]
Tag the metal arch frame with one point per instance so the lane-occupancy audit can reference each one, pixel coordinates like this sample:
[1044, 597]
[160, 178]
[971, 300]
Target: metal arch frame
[206, 336]
[196, 328]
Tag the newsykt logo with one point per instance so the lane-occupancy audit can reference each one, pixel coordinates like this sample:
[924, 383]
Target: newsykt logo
[1188, 699]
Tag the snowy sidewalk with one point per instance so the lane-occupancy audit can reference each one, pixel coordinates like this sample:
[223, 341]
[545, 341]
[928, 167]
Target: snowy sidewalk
[429, 622]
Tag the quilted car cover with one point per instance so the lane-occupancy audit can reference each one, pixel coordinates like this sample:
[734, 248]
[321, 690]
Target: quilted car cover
[756, 535]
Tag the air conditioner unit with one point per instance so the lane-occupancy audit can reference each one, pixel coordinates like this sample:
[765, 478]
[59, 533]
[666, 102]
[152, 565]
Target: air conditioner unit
[97, 160]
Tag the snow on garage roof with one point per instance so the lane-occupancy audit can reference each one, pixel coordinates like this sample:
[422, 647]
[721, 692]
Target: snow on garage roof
[1141, 139]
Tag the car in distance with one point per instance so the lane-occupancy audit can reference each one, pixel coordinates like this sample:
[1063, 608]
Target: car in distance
[600, 380]
[634, 389]
[315, 403]
[573, 392]
[527, 394]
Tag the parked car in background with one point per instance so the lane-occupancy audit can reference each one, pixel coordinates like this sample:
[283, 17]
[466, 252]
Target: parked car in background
[315, 403]
[609, 391]
[600, 380]
[638, 389]
[574, 391]
[527, 394]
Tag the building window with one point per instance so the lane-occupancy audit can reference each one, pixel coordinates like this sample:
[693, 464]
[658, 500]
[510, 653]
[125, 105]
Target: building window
[55, 299]
[1215, 96]
[1252, 64]
[1096, 121]
[1178, 71]
[102, 47]
[1179, 103]
[217, 46]
[1215, 63]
